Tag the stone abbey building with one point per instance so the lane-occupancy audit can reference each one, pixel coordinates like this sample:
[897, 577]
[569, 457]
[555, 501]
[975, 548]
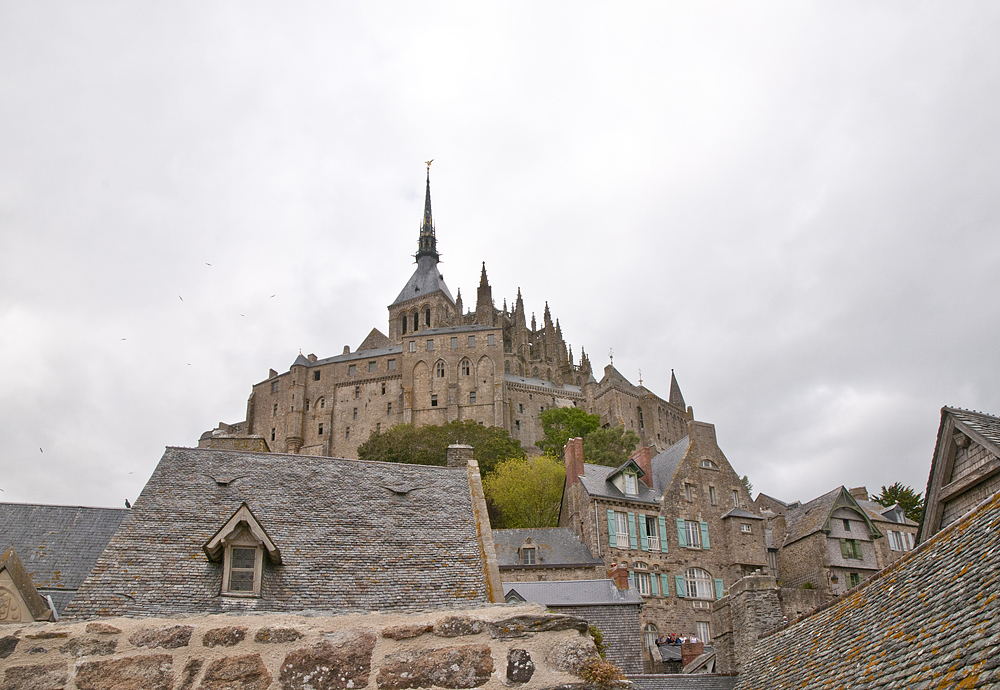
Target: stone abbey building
[439, 362]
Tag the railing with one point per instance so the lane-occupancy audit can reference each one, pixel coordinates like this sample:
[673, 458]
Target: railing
[654, 543]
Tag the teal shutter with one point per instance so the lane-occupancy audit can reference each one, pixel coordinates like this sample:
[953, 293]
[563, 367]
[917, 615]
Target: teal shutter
[631, 579]
[679, 584]
[611, 529]
[681, 534]
[665, 584]
[663, 535]
[632, 541]
[654, 584]
[845, 550]
[718, 588]
[643, 535]
[704, 535]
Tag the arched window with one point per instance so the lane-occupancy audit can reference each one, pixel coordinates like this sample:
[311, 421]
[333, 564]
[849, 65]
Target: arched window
[466, 367]
[402, 324]
[427, 318]
[534, 372]
[440, 369]
[416, 321]
[548, 374]
[641, 578]
[322, 403]
[650, 634]
[506, 367]
[698, 583]
[640, 417]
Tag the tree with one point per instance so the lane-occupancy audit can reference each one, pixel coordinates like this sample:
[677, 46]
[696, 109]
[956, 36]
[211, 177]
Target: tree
[747, 485]
[910, 501]
[428, 445]
[526, 492]
[560, 424]
[610, 446]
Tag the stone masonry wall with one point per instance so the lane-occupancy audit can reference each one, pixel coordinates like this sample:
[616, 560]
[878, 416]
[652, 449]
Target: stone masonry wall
[490, 648]
[750, 611]
[621, 630]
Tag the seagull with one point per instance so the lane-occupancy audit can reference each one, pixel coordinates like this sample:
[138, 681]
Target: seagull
[241, 315]
[123, 338]
[207, 264]
[40, 450]
[189, 363]
[274, 294]
[180, 298]
[127, 504]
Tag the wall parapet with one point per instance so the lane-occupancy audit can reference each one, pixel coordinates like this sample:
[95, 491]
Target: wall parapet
[493, 647]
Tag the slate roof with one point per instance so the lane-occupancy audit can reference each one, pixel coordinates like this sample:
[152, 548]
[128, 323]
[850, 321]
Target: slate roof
[986, 425]
[353, 536]
[426, 279]
[740, 513]
[556, 593]
[928, 620]
[696, 681]
[595, 478]
[58, 545]
[555, 546]
[541, 383]
[808, 518]
[877, 511]
[359, 354]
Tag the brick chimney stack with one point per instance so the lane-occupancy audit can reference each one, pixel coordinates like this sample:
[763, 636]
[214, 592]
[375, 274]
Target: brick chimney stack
[859, 492]
[619, 574]
[691, 651]
[573, 455]
[644, 459]
[459, 455]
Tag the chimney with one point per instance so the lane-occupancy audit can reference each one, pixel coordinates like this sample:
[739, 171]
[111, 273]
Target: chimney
[691, 651]
[644, 459]
[459, 455]
[860, 493]
[619, 574]
[573, 455]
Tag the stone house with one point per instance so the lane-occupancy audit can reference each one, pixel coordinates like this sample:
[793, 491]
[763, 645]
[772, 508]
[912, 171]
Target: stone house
[613, 609]
[676, 520]
[58, 545]
[218, 531]
[438, 362]
[554, 553]
[965, 470]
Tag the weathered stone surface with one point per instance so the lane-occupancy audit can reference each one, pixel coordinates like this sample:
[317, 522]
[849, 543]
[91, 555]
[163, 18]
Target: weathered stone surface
[458, 626]
[102, 629]
[344, 661]
[168, 638]
[519, 626]
[468, 666]
[236, 673]
[520, 667]
[570, 655]
[405, 632]
[49, 677]
[277, 635]
[89, 647]
[37, 650]
[153, 672]
[189, 674]
[53, 635]
[7, 645]
[224, 637]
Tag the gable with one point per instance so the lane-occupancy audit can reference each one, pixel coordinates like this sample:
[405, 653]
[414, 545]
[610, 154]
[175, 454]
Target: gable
[20, 602]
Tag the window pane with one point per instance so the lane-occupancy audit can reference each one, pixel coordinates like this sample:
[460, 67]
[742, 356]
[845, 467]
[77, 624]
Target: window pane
[241, 581]
[621, 530]
[693, 530]
[243, 558]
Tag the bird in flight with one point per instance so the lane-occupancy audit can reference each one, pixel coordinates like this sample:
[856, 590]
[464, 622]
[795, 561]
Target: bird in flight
[207, 264]
[40, 450]
[180, 298]
[273, 295]
[123, 338]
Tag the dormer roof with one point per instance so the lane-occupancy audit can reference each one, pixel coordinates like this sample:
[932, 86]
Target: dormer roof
[816, 515]
[243, 517]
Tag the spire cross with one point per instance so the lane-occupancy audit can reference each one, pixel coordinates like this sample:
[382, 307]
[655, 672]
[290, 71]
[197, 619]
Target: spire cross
[429, 164]
[640, 377]
[611, 355]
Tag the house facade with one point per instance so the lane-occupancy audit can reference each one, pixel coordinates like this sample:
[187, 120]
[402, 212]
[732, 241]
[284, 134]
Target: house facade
[545, 554]
[678, 520]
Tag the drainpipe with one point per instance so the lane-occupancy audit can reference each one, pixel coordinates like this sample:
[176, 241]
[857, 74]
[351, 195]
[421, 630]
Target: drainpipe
[597, 529]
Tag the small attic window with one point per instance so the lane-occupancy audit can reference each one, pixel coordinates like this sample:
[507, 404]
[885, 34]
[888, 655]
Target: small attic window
[240, 544]
[631, 487]
[528, 555]
[708, 465]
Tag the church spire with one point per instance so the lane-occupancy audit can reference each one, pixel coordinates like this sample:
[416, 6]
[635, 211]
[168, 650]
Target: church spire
[427, 243]
[675, 392]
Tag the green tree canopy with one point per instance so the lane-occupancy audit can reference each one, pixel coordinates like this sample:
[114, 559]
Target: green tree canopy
[428, 445]
[526, 492]
[910, 501]
[610, 446]
[560, 424]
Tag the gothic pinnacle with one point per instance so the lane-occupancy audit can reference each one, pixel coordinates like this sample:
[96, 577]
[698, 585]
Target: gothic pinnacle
[427, 243]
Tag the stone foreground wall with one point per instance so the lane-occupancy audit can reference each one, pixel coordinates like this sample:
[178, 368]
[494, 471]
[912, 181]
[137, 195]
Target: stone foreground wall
[492, 647]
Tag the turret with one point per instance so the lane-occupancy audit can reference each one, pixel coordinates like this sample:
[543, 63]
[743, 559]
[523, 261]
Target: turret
[484, 300]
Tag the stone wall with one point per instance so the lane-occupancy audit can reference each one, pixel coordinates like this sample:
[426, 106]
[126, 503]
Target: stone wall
[750, 611]
[490, 647]
[796, 603]
[621, 630]
[542, 574]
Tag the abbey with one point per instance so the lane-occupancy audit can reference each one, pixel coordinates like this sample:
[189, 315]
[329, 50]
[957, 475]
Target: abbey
[440, 362]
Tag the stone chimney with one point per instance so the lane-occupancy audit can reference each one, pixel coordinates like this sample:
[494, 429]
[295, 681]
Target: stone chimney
[644, 459]
[619, 574]
[573, 455]
[750, 611]
[859, 492]
[691, 651]
[459, 455]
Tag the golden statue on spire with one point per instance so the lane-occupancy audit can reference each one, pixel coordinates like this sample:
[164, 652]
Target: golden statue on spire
[429, 164]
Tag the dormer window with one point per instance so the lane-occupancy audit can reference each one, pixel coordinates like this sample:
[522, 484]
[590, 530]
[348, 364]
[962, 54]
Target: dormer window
[241, 545]
[707, 464]
[631, 487]
[528, 555]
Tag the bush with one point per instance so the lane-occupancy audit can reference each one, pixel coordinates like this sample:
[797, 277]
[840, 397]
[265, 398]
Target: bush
[598, 637]
[808, 585]
[603, 673]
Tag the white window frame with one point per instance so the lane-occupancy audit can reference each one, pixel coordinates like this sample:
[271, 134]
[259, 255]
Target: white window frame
[703, 631]
[621, 530]
[653, 533]
[692, 529]
[745, 528]
[699, 584]
[649, 634]
[413, 346]
[631, 484]
[642, 580]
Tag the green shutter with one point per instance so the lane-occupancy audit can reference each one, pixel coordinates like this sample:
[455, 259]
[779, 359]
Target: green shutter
[632, 541]
[679, 584]
[665, 584]
[845, 549]
[704, 535]
[663, 534]
[643, 538]
[718, 588]
[654, 585]
[857, 549]
[611, 529]
[681, 534]
[631, 579]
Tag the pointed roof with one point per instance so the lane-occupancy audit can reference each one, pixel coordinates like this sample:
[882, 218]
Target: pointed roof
[37, 607]
[815, 515]
[375, 340]
[427, 279]
[427, 243]
[483, 281]
[300, 361]
[676, 398]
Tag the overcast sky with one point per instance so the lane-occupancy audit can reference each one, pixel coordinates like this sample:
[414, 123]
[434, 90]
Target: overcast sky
[794, 205]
